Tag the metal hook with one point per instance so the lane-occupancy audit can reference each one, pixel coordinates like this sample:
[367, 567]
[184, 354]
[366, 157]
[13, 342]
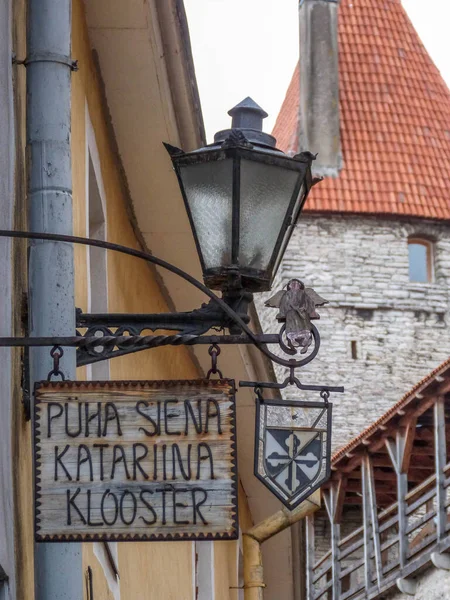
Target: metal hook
[214, 352]
[56, 353]
[258, 393]
[325, 394]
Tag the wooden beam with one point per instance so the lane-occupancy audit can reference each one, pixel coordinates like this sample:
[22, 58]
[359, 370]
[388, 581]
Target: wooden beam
[367, 529]
[426, 450]
[374, 518]
[352, 464]
[341, 489]
[384, 500]
[402, 489]
[381, 460]
[417, 475]
[444, 388]
[396, 452]
[408, 434]
[422, 405]
[420, 462]
[379, 474]
[378, 443]
[355, 486]
[427, 433]
[331, 501]
[413, 475]
[392, 451]
[310, 556]
[353, 500]
[441, 460]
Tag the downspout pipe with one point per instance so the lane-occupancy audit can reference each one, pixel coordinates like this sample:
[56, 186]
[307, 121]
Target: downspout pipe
[253, 538]
[58, 567]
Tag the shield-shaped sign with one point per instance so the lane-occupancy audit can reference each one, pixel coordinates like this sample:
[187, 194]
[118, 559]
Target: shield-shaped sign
[292, 447]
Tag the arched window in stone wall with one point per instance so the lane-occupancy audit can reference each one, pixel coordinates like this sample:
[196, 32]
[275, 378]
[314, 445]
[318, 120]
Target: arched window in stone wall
[420, 254]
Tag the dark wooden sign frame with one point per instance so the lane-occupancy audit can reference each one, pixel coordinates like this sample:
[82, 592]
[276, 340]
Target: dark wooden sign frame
[72, 392]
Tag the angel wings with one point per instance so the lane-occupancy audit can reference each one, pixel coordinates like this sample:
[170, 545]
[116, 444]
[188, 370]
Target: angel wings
[297, 307]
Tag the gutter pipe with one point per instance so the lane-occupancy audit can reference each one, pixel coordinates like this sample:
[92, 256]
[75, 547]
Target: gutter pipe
[253, 538]
[58, 567]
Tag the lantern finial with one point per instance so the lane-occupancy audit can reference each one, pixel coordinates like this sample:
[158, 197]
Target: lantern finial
[247, 115]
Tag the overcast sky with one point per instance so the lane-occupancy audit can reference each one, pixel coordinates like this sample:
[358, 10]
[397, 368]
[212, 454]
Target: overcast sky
[250, 48]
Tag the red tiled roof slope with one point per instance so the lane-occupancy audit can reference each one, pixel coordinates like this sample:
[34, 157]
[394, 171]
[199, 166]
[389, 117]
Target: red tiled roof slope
[395, 119]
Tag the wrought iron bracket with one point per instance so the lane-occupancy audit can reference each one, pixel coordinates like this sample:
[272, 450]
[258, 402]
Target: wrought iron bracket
[258, 385]
[195, 322]
[229, 312]
[92, 348]
[292, 380]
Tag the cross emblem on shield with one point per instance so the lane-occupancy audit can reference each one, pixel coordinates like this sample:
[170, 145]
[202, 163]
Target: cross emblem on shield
[292, 451]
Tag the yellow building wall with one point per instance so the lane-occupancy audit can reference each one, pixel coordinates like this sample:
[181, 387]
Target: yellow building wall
[148, 571]
[21, 429]
[226, 556]
[226, 583]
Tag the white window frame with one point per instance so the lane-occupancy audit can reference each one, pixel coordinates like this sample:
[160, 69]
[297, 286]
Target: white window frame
[429, 245]
[204, 588]
[93, 157]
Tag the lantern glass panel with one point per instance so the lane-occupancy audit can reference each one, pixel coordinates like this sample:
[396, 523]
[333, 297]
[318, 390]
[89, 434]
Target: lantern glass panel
[208, 190]
[266, 192]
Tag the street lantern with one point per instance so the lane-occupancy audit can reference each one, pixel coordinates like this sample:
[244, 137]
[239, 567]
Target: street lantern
[243, 198]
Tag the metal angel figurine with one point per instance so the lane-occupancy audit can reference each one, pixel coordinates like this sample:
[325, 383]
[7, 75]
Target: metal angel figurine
[297, 306]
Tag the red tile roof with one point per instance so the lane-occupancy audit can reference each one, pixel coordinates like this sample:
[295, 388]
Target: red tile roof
[395, 119]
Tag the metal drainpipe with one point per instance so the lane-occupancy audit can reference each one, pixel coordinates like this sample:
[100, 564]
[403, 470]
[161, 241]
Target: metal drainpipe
[58, 567]
[253, 538]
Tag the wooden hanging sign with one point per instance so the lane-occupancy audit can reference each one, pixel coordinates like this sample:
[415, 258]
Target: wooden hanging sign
[135, 460]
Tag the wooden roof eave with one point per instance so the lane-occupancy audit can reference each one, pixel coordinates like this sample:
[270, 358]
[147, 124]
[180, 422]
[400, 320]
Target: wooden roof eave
[409, 415]
[181, 73]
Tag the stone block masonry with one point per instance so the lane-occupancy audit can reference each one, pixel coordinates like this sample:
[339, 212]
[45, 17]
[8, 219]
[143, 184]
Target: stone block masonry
[380, 333]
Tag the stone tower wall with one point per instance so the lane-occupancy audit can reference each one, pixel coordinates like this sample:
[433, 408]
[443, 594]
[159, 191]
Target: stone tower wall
[360, 264]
